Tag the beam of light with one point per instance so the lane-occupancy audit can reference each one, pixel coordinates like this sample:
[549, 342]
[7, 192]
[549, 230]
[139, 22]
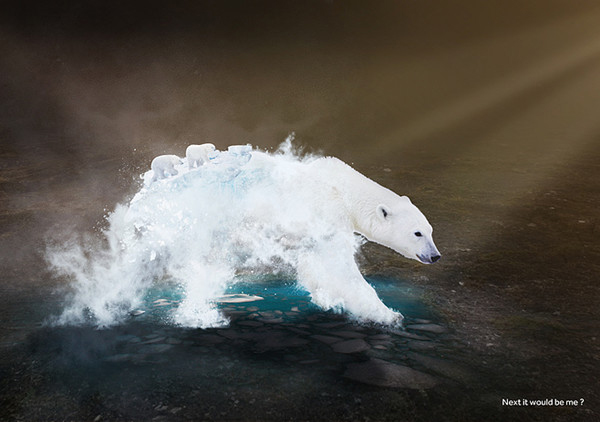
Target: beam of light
[471, 105]
[521, 151]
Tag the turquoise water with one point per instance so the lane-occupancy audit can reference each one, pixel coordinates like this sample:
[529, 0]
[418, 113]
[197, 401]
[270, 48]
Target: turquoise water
[278, 294]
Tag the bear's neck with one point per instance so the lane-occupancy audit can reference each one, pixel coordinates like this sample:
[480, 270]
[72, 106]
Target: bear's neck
[359, 195]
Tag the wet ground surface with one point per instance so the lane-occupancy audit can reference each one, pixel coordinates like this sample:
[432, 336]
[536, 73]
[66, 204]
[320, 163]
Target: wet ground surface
[487, 120]
[281, 358]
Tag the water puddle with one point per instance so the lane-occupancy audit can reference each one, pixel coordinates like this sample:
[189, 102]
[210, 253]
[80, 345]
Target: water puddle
[275, 335]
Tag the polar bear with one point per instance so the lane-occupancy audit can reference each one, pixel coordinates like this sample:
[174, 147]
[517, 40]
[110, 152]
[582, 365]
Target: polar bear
[378, 214]
[163, 166]
[356, 204]
[197, 155]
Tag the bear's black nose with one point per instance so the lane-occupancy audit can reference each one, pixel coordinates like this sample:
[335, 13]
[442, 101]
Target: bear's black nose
[434, 258]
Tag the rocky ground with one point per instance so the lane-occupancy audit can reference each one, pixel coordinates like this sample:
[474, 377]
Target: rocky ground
[290, 363]
[295, 363]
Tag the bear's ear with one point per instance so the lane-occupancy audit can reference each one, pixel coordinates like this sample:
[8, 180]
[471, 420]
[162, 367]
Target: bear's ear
[382, 211]
[406, 199]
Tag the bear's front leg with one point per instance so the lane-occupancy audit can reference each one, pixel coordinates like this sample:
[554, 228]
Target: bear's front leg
[334, 281]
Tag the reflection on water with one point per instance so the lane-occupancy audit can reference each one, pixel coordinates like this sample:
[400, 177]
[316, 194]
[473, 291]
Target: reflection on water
[484, 113]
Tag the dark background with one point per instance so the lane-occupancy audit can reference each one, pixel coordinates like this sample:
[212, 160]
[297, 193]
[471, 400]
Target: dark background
[484, 112]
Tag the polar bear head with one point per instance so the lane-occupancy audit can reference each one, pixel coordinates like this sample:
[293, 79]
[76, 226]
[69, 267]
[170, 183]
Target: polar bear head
[401, 226]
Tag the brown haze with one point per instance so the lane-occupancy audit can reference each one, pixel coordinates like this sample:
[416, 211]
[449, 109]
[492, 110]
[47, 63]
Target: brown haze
[486, 113]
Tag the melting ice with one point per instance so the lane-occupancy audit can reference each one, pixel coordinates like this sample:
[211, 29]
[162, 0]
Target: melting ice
[196, 231]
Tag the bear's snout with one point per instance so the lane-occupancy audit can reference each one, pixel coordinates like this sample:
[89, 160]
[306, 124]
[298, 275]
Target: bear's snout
[429, 259]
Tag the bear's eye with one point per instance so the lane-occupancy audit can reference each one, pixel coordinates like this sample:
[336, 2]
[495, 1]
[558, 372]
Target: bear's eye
[418, 234]
[384, 212]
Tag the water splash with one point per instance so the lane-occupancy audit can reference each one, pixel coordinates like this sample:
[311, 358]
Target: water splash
[241, 213]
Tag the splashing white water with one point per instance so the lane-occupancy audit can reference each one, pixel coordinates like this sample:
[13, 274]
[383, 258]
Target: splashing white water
[197, 230]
